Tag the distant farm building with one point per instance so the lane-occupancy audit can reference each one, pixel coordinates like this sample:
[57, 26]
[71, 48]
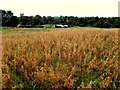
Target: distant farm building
[18, 25]
[60, 26]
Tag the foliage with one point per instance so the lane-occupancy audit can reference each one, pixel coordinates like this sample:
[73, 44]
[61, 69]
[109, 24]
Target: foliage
[8, 19]
[102, 22]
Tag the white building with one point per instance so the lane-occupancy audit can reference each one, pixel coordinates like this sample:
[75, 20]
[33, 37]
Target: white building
[60, 26]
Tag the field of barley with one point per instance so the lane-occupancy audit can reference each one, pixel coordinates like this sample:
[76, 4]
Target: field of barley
[60, 58]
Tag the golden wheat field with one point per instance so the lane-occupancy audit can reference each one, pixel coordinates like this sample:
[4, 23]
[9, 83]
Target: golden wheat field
[60, 58]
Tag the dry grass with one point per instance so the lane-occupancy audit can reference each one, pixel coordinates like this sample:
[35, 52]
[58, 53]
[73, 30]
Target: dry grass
[0, 59]
[81, 58]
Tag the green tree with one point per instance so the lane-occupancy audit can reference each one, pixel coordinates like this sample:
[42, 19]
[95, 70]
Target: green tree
[107, 25]
[8, 19]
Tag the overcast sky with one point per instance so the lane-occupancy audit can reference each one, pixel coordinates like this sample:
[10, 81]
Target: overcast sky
[101, 8]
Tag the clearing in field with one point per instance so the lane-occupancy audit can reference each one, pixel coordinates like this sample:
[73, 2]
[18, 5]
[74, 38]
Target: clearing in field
[57, 58]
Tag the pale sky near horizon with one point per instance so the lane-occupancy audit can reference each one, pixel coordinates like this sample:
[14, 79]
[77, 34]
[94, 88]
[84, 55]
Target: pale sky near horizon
[81, 8]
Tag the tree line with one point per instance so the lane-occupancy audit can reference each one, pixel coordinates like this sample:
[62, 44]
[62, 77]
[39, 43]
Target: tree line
[9, 20]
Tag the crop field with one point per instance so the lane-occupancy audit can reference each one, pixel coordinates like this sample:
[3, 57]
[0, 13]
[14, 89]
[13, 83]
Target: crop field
[60, 58]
